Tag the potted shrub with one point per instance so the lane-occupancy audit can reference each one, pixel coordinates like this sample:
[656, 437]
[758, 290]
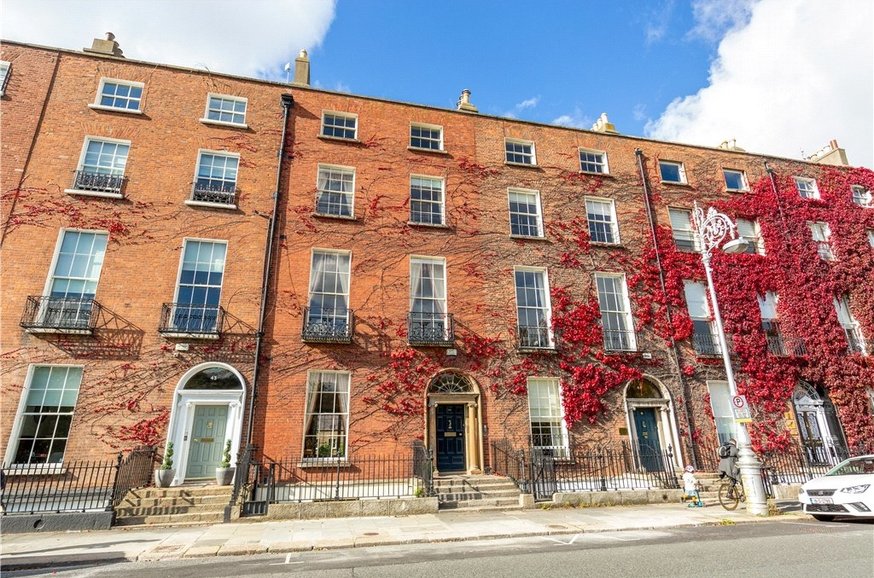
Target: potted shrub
[224, 474]
[165, 474]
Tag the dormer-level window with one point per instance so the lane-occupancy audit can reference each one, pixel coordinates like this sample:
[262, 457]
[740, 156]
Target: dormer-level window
[672, 172]
[806, 188]
[119, 95]
[519, 152]
[593, 162]
[340, 125]
[5, 73]
[426, 136]
[735, 180]
[225, 109]
[862, 196]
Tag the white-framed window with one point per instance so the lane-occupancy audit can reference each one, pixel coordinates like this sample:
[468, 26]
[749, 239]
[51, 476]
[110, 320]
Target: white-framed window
[821, 234]
[335, 191]
[593, 162]
[852, 329]
[615, 307]
[862, 196]
[225, 109]
[519, 152]
[340, 125]
[681, 225]
[327, 313]
[672, 172]
[806, 188]
[533, 308]
[735, 180]
[198, 293]
[119, 95]
[428, 313]
[704, 338]
[546, 414]
[45, 413]
[603, 226]
[72, 285]
[720, 405]
[101, 166]
[326, 423]
[5, 73]
[426, 136]
[216, 172]
[426, 200]
[525, 218]
[752, 232]
[770, 326]
[870, 233]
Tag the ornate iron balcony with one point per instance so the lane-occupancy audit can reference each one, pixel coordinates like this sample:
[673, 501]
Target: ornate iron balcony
[216, 192]
[534, 337]
[784, 346]
[191, 320]
[619, 340]
[47, 314]
[98, 182]
[706, 343]
[327, 325]
[434, 329]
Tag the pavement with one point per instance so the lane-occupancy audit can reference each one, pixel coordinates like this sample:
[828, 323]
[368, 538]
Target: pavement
[253, 537]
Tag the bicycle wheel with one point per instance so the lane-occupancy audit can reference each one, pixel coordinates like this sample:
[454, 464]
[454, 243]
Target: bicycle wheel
[729, 496]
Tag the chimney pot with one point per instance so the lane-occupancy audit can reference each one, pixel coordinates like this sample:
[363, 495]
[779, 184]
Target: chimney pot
[110, 36]
[464, 103]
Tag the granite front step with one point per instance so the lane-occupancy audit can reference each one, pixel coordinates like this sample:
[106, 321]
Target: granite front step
[168, 510]
[171, 519]
[129, 501]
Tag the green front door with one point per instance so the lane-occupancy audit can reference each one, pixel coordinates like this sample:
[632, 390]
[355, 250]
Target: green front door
[207, 440]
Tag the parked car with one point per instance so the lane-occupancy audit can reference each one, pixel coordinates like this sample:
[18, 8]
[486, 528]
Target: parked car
[846, 490]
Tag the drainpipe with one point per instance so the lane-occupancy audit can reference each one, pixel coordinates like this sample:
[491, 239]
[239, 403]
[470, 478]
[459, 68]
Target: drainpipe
[674, 347]
[287, 104]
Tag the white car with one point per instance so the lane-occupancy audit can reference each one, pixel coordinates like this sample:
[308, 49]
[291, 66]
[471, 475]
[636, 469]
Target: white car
[846, 490]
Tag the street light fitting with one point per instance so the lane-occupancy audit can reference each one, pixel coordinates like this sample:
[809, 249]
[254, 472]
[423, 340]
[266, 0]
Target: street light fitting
[736, 246]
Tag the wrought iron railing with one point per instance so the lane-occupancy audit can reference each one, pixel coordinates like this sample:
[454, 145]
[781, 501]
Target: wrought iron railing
[510, 462]
[219, 193]
[60, 314]
[535, 337]
[706, 343]
[436, 329]
[327, 325]
[619, 340]
[98, 182]
[784, 346]
[191, 319]
[134, 471]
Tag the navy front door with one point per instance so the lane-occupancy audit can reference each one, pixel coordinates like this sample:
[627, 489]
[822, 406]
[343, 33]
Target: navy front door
[648, 438]
[450, 438]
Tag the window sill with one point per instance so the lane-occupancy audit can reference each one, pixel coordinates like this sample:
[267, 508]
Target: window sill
[429, 225]
[93, 106]
[592, 174]
[60, 330]
[423, 150]
[521, 165]
[231, 207]
[736, 191]
[528, 238]
[223, 123]
[329, 216]
[102, 194]
[19, 470]
[552, 350]
[606, 245]
[676, 184]
[339, 139]
[185, 335]
[309, 463]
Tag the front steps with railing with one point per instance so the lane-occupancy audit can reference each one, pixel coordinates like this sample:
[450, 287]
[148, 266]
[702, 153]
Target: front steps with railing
[476, 492]
[180, 505]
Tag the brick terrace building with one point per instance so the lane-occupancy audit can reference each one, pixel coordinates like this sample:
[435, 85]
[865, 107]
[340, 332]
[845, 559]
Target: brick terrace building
[438, 275]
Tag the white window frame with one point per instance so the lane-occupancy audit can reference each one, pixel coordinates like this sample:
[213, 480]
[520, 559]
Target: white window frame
[805, 185]
[554, 418]
[681, 170]
[613, 223]
[684, 235]
[755, 242]
[711, 346]
[624, 315]
[871, 237]
[5, 73]
[15, 434]
[547, 309]
[178, 286]
[821, 234]
[114, 172]
[744, 185]
[343, 171]
[321, 318]
[726, 427]
[129, 83]
[431, 127]
[340, 456]
[338, 114]
[438, 316]
[602, 168]
[441, 203]
[862, 197]
[236, 189]
[532, 155]
[538, 216]
[851, 326]
[225, 98]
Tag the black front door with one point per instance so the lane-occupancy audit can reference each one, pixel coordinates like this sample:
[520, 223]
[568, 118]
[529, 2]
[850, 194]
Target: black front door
[450, 438]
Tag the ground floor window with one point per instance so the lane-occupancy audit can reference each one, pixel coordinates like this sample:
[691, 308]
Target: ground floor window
[548, 430]
[327, 415]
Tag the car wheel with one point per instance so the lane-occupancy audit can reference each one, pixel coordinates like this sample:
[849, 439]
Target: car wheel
[823, 517]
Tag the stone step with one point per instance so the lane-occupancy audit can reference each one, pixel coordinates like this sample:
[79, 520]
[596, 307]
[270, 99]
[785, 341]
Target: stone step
[181, 491]
[482, 508]
[132, 502]
[479, 504]
[168, 510]
[478, 485]
[171, 519]
[451, 496]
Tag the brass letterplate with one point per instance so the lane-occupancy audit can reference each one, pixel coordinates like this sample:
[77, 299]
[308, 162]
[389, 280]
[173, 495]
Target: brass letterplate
[205, 440]
[449, 434]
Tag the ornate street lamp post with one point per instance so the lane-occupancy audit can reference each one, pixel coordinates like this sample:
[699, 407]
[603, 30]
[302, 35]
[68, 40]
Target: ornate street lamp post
[711, 228]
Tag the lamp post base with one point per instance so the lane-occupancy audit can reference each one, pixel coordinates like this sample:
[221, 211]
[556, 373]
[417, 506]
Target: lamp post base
[751, 476]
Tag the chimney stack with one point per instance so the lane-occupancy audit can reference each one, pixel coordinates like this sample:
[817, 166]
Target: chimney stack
[107, 46]
[464, 103]
[604, 125]
[302, 69]
[830, 154]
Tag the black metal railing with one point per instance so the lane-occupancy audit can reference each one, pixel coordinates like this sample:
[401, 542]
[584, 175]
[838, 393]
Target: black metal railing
[134, 471]
[191, 319]
[510, 462]
[535, 337]
[215, 192]
[619, 340]
[327, 325]
[423, 467]
[98, 182]
[436, 329]
[785, 346]
[706, 343]
[60, 314]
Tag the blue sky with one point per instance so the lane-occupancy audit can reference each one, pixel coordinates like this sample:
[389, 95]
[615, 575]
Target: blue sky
[783, 77]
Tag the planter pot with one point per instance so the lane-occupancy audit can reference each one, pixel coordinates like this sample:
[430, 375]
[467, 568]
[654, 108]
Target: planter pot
[163, 478]
[224, 476]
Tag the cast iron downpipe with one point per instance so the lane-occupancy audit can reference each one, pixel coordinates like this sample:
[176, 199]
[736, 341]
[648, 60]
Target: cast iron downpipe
[287, 104]
[655, 242]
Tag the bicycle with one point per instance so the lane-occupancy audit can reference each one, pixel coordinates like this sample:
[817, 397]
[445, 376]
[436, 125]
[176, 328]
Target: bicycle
[731, 493]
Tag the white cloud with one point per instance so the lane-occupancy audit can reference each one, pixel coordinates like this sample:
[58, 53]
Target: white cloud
[658, 19]
[254, 38]
[639, 112]
[713, 18]
[797, 75]
[528, 103]
[576, 119]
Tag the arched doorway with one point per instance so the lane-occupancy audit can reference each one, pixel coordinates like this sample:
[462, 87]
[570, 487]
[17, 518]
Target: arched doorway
[453, 422]
[207, 411]
[651, 423]
[818, 425]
